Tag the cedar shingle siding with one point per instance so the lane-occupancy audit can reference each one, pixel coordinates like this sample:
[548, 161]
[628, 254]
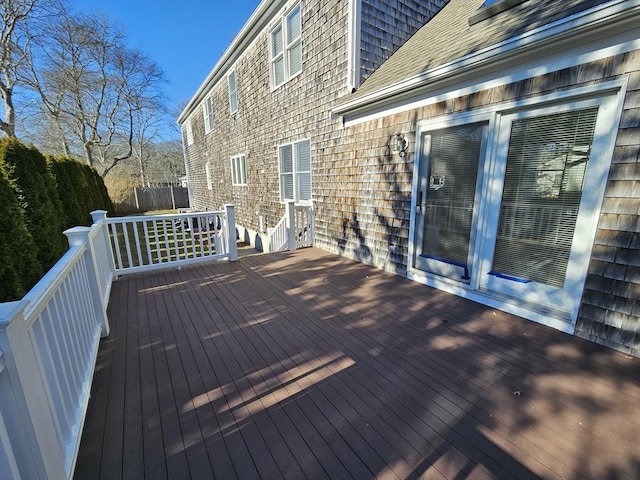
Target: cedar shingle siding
[387, 25]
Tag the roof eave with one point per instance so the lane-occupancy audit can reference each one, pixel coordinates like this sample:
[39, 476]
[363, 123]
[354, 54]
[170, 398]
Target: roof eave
[258, 20]
[600, 17]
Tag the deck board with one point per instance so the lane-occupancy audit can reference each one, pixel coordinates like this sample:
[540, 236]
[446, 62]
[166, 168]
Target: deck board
[307, 365]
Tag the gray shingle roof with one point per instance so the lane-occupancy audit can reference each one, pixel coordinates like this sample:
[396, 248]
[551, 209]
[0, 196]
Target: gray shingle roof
[448, 36]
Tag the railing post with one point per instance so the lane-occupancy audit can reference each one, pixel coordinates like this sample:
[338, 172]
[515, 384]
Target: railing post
[231, 232]
[100, 218]
[24, 403]
[290, 214]
[80, 235]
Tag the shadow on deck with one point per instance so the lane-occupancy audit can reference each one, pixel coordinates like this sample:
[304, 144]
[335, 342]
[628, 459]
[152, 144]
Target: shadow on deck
[308, 365]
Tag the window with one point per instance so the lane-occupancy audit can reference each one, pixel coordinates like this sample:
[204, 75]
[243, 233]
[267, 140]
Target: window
[207, 171]
[189, 130]
[233, 93]
[286, 48]
[208, 114]
[294, 162]
[238, 170]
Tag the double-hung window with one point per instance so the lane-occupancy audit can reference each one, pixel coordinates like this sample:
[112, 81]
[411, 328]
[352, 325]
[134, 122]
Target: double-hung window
[294, 161]
[238, 170]
[286, 47]
[208, 114]
[189, 130]
[233, 93]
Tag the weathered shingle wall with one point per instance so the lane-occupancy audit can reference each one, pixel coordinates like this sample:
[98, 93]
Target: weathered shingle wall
[266, 118]
[387, 24]
[610, 311]
[363, 194]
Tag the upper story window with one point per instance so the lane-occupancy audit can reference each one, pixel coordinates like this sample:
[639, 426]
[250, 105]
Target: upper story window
[285, 41]
[294, 162]
[189, 130]
[233, 93]
[238, 170]
[208, 114]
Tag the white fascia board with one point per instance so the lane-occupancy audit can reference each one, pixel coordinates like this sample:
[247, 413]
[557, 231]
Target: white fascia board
[259, 19]
[606, 17]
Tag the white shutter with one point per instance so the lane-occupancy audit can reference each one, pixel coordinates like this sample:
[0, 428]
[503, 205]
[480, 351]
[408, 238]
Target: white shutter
[285, 155]
[545, 172]
[303, 170]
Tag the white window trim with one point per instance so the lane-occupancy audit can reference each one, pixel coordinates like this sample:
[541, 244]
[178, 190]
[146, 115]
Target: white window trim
[233, 93]
[610, 93]
[207, 171]
[189, 131]
[207, 113]
[241, 160]
[282, 23]
[295, 198]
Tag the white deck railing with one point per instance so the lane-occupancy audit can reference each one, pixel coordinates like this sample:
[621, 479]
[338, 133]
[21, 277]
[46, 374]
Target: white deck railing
[49, 339]
[143, 243]
[294, 230]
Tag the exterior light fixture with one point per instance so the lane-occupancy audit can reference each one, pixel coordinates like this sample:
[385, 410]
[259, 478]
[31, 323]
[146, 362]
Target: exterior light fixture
[400, 145]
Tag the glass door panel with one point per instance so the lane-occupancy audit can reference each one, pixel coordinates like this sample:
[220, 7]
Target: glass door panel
[447, 200]
[545, 173]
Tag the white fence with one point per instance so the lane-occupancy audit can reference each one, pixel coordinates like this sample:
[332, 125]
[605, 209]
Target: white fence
[294, 230]
[49, 339]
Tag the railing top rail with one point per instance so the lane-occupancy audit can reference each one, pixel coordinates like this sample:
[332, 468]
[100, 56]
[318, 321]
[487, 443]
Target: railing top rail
[39, 295]
[166, 216]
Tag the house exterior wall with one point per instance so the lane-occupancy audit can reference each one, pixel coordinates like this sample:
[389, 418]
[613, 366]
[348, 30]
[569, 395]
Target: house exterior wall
[267, 118]
[363, 196]
[386, 25]
[299, 109]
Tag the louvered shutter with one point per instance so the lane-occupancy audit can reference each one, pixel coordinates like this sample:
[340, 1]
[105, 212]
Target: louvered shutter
[303, 170]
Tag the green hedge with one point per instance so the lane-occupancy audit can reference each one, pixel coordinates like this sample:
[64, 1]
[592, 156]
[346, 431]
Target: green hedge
[81, 190]
[39, 199]
[35, 188]
[19, 266]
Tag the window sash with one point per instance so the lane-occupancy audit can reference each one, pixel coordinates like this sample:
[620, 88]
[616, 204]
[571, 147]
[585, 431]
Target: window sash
[238, 170]
[208, 115]
[233, 92]
[286, 47]
[189, 130]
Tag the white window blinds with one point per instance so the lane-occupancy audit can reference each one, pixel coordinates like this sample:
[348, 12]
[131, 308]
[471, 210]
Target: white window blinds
[545, 171]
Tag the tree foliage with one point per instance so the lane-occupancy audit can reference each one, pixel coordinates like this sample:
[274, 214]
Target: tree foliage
[81, 190]
[19, 266]
[34, 187]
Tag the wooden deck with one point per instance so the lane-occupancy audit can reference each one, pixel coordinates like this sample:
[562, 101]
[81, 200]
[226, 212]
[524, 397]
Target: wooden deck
[307, 365]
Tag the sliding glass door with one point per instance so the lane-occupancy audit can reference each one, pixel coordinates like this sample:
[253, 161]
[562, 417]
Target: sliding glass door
[508, 207]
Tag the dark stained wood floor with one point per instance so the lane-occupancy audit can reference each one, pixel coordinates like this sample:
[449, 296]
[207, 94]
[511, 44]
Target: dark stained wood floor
[307, 365]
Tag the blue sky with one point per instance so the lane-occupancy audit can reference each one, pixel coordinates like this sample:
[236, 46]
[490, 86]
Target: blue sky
[185, 37]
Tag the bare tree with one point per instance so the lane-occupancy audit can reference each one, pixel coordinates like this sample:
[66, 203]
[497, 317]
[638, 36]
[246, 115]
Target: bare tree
[15, 14]
[93, 86]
